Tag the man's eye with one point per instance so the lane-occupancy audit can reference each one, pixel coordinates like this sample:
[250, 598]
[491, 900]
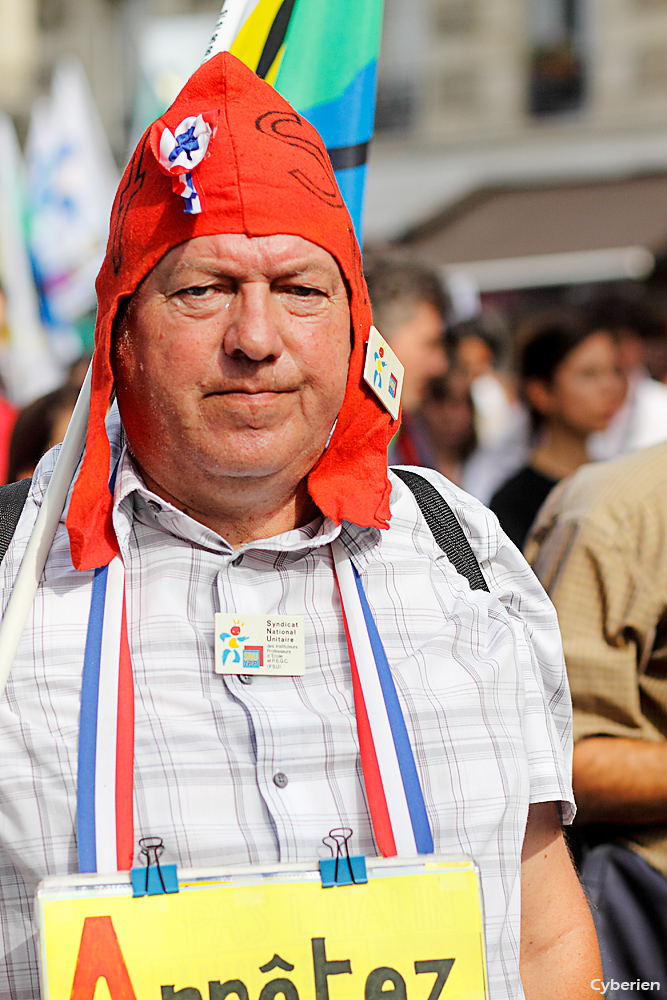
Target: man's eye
[198, 291]
[304, 291]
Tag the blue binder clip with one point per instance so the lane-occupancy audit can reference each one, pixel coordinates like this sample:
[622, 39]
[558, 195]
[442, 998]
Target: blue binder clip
[342, 868]
[153, 880]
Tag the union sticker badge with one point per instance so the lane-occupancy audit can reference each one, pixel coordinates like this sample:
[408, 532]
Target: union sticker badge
[383, 372]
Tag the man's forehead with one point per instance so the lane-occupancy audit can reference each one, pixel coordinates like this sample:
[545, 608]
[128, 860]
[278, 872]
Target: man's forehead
[236, 253]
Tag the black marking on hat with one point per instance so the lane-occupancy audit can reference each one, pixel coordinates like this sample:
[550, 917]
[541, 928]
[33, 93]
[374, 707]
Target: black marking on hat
[285, 126]
[275, 38]
[135, 182]
[346, 157]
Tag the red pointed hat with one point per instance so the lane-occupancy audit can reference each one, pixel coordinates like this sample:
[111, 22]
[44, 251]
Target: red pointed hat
[231, 156]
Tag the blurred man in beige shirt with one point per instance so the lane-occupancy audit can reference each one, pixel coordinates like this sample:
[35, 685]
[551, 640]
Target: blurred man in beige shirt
[599, 546]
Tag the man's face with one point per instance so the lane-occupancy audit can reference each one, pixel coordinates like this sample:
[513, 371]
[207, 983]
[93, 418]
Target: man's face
[419, 345]
[232, 361]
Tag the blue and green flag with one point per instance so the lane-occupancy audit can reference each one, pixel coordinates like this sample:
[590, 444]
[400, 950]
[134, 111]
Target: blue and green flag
[322, 56]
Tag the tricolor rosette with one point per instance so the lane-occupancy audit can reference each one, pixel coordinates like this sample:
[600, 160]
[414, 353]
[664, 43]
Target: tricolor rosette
[180, 152]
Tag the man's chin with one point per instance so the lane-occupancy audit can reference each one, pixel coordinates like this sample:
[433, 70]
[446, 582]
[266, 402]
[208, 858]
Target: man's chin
[262, 458]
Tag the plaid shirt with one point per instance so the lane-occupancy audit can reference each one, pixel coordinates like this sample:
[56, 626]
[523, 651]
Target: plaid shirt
[227, 771]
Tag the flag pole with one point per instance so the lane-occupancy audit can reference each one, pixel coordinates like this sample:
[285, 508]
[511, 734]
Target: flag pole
[232, 16]
[37, 551]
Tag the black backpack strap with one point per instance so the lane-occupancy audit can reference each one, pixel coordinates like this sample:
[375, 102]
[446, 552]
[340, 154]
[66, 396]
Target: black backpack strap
[12, 501]
[445, 527]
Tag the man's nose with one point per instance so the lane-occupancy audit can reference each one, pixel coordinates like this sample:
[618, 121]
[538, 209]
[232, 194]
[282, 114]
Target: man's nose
[251, 329]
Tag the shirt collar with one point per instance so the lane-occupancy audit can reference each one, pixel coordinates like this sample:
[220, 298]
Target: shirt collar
[134, 501]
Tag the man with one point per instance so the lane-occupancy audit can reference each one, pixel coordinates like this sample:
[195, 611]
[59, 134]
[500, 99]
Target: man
[249, 450]
[409, 307]
[598, 546]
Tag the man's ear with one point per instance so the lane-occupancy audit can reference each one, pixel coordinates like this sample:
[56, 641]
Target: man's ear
[120, 328]
[539, 396]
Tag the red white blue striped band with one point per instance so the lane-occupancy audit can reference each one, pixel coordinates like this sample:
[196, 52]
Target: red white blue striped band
[105, 828]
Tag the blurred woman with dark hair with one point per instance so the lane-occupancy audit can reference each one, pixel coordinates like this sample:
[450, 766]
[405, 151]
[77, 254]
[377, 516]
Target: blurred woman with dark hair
[448, 414]
[39, 427]
[570, 381]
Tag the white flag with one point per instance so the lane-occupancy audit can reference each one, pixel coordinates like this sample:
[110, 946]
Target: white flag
[73, 180]
[26, 362]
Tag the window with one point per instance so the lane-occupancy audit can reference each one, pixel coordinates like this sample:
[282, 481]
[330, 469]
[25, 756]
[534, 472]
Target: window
[395, 107]
[651, 72]
[556, 67]
[458, 90]
[404, 40]
[51, 14]
[456, 17]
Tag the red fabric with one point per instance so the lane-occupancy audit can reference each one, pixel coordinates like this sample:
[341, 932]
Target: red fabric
[8, 415]
[266, 172]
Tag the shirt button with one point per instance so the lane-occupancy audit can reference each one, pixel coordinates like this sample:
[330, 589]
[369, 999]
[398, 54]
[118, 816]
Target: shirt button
[280, 779]
[246, 678]
[237, 561]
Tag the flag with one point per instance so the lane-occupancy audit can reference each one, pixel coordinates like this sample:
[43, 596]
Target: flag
[73, 180]
[26, 362]
[322, 56]
[169, 50]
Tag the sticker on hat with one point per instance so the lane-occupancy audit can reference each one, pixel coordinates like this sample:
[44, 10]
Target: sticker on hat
[180, 152]
[383, 372]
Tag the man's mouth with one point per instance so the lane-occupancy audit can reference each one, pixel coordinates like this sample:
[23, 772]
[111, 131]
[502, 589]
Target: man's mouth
[250, 392]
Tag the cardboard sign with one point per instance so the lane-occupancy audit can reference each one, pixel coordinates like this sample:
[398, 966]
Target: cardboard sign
[413, 932]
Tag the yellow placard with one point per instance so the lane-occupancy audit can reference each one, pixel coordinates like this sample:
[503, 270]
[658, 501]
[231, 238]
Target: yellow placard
[413, 933]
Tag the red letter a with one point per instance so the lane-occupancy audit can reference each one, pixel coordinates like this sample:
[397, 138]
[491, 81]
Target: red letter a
[100, 957]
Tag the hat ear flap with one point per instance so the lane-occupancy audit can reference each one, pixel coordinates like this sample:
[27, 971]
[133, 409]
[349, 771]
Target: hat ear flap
[93, 541]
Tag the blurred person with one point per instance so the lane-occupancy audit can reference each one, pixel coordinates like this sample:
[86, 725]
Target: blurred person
[409, 306]
[38, 427]
[448, 414]
[479, 348]
[598, 547]
[572, 387]
[642, 419]
[8, 413]
[640, 422]
[78, 370]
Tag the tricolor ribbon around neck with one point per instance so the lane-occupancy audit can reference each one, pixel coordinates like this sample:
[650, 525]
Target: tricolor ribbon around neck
[106, 740]
[394, 793]
[105, 786]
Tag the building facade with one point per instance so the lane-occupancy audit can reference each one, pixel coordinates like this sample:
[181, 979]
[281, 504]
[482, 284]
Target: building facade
[497, 91]
[471, 91]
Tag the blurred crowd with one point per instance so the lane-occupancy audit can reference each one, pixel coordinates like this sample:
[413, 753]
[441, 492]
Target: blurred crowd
[26, 434]
[508, 409]
[520, 413]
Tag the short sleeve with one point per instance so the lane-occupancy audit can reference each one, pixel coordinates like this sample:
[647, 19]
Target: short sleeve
[608, 606]
[548, 716]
